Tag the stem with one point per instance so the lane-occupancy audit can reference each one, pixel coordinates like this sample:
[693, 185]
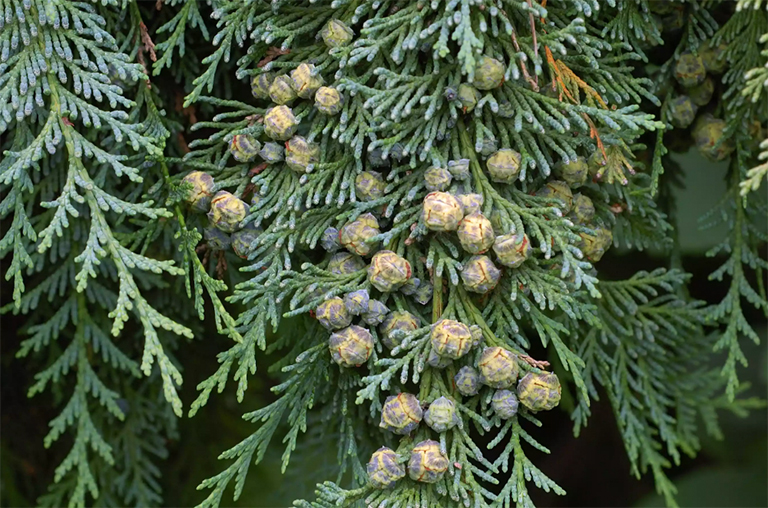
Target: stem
[437, 297]
[176, 208]
[425, 384]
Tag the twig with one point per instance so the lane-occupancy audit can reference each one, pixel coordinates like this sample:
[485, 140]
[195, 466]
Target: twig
[221, 265]
[272, 53]
[527, 76]
[539, 364]
[146, 41]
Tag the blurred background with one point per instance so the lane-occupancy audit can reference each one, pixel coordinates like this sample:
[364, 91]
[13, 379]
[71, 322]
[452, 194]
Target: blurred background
[593, 469]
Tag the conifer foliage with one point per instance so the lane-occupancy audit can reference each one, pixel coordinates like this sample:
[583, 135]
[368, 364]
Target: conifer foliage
[412, 197]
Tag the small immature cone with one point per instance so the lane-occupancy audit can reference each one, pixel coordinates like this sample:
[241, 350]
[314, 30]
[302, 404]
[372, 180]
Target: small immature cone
[451, 339]
[344, 263]
[397, 151]
[328, 100]
[330, 239]
[574, 172]
[437, 179]
[475, 233]
[583, 210]
[713, 57]
[400, 320]
[477, 335]
[557, 189]
[441, 415]
[305, 81]
[244, 147]
[459, 169]
[690, 70]
[355, 236]
[468, 96]
[539, 392]
[388, 271]
[376, 158]
[299, 154]
[505, 403]
[279, 123]
[682, 111]
[436, 361]
[423, 293]
[480, 275]
[401, 413]
[593, 246]
[702, 94]
[489, 73]
[369, 220]
[427, 463]
[498, 367]
[470, 203]
[369, 185]
[383, 468]
[357, 301]
[375, 314]
[504, 165]
[227, 211]
[333, 314]
[243, 240]
[467, 381]
[351, 347]
[271, 152]
[260, 84]
[411, 286]
[199, 197]
[442, 212]
[217, 239]
[709, 133]
[282, 91]
[489, 146]
[512, 250]
[506, 110]
[336, 34]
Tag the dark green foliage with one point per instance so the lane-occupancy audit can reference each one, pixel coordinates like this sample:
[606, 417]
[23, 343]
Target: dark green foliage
[295, 212]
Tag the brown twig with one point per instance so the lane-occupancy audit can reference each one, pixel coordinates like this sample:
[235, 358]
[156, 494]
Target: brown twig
[182, 142]
[252, 119]
[595, 135]
[258, 169]
[146, 41]
[221, 265]
[527, 76]
[189, 111]
[272, 53]
[146, 46]
[410, 240]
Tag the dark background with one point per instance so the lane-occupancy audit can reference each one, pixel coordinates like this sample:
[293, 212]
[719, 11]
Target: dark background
[593, 469]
